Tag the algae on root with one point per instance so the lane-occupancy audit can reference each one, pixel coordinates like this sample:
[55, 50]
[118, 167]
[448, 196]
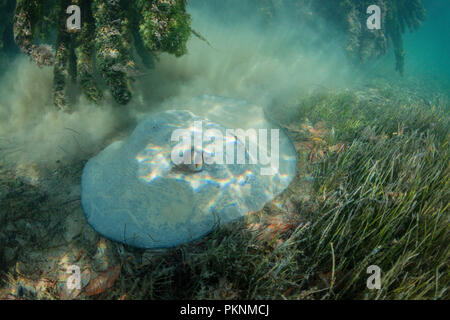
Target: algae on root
[350, 16]
[110, 30]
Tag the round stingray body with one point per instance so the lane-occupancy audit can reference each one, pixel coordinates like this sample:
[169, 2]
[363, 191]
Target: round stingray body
[137, 192]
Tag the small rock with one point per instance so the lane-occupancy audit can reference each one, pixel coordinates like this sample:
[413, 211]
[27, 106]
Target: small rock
[73, 226]
[89, 235]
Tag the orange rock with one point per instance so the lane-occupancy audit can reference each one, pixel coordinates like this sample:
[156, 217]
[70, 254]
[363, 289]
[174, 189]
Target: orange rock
[103, 282]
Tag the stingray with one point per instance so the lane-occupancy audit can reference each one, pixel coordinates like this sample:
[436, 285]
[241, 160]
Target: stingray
[136, 192]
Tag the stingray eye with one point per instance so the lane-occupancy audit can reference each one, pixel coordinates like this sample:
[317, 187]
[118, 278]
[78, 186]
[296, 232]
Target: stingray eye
[198, 167]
